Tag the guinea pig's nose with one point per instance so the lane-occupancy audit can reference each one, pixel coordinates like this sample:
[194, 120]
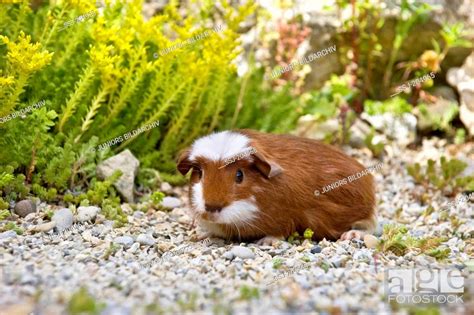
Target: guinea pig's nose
[213, 208]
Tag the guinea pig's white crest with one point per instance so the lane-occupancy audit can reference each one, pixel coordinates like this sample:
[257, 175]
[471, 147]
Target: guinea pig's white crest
[198, 197]
[239, 212]
[219, 146]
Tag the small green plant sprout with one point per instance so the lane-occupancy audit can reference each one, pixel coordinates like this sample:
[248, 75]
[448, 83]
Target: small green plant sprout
[440, 253]
[306, 259]
[293, 237]
[4, 214]
[308, 234]
[82, 302]
[396, 239]
[156, 198]
[154, 308]
[113, 248]
[428, 211]
[325, 266]
[49, 214]
[455, 222]
[443, 176]
[247, 293]
[277, 262]
[12, 226]
[378, 148]
[189, 304]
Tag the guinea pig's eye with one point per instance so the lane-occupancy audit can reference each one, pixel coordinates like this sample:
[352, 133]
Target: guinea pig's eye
[239, 176]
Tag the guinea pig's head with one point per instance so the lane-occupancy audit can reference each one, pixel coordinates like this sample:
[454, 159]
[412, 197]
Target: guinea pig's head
[228, 172]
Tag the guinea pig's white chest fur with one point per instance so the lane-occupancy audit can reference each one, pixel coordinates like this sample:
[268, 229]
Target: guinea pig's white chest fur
[249, 185]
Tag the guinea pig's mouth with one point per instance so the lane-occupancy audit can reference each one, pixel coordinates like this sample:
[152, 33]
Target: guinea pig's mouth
[238, 212]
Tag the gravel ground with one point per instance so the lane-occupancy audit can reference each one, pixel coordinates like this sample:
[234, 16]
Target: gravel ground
[156, 263]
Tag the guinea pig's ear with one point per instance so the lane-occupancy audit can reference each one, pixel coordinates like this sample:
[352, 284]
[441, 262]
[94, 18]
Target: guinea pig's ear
[184, 164]
[266, 166]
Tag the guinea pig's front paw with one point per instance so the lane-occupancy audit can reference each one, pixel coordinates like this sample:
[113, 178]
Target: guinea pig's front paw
[201, 236]
[270, 240]
[352, 234]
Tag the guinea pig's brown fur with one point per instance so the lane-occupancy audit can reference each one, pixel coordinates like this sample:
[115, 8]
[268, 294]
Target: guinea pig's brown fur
[276, 194]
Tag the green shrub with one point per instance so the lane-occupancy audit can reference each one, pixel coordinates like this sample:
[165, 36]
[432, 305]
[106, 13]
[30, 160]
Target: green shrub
[102, 78]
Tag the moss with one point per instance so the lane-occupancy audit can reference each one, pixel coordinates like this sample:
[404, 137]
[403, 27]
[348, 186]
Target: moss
[247, 293]
[113, 248]
[277, 262]
[12, 226]
[188, 304]
[82, 302]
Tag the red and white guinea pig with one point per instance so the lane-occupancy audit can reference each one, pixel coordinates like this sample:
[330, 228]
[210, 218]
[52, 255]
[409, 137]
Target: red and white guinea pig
[249, 185]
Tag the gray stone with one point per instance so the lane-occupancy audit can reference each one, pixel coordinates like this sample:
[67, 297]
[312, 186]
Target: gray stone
[463, 80]
[25, 207]
[228, 255]
[242, 252]
[7, 234]
[128, 165]
[336, 261]
[145, 239]
[63, 219]
[401, 128]
[171, 202]
[115, 310]
[435, 113]
[126, 241]
[134, 248]
[359, 132]
[166, 188]
[316, 249]
[87, 213]
[370, 241]
[45, 227]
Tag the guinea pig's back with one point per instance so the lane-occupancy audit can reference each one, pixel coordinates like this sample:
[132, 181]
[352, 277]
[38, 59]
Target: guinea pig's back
[309, 165]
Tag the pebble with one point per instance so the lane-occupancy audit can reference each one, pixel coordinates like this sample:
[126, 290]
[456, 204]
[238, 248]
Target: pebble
[134, 248]
[316, 249]
[145, 239]
[45, 227]
[126, 241]
[242, 252]
[171, 202]
[228, 255]
[87, 213]
[63, 219]
[7, 234]
[370, 241]
[25, 207]
[166, 188]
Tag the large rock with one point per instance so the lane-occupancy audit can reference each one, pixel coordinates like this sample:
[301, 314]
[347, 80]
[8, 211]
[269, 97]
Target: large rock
[63, 219]
[128, 164]
[401, 128]
[463, 80]
[87, 213]
[25, 207]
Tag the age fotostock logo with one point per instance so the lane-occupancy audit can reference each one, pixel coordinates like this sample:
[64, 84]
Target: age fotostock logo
[415, 286]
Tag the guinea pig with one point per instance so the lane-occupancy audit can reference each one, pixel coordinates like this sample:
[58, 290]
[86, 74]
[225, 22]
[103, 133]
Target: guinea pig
[248, 185]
